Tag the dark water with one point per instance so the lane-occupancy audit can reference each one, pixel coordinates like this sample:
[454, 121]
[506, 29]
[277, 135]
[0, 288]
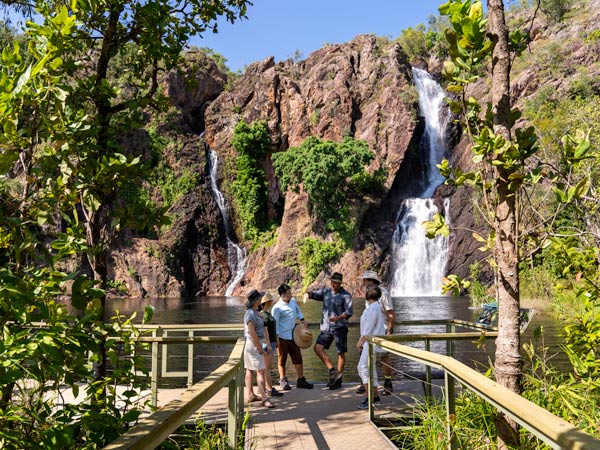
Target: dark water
[212, 310]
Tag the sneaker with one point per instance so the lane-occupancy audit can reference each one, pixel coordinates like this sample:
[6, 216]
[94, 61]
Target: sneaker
[365, 403]
[275, 393]
[285, 386]
[336, 384]
[388, 388]
[303, 384]
[361, 389]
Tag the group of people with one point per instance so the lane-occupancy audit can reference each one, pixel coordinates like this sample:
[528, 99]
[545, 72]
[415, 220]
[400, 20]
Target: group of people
[269, 327]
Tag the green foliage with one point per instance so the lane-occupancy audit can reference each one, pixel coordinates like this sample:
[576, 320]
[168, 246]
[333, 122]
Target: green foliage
[473, 425]
[593, 36]
[202, 436]
[314, 254]
[249, 190]
[328, 173]
[423, 40]
[478, 292]
[555, 10]
[67, 106]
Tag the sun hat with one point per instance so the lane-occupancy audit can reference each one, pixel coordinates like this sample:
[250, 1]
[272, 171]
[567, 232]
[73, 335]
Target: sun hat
[336, 276]
[302, 336]
[267, 298]
[371, 275]
[253, 297]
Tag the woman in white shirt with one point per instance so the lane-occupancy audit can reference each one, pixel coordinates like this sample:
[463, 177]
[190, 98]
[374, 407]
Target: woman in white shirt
[372, 323]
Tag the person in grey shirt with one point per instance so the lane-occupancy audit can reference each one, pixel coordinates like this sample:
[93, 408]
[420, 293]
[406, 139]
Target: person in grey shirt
[337, 309]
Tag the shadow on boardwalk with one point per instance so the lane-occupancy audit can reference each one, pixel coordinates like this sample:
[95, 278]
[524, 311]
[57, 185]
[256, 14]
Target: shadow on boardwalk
[321, 419]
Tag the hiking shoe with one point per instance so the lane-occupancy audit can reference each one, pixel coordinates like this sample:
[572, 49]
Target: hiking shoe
[285, 386]
[365, 403]
[303, 384]
[275, 393]
[388, 388]
[333, 374]
[336, 384]
[361, 389]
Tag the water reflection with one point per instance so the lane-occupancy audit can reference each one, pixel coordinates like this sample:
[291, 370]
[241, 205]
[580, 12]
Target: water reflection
[231, 310]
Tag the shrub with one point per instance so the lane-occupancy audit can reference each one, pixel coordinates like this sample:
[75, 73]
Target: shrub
[249, 189]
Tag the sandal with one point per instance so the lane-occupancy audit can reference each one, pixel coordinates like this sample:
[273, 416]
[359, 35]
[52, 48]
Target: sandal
[253, 399]
[267, 403]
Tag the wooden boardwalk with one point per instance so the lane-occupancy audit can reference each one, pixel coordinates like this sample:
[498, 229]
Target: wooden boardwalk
[318, 419]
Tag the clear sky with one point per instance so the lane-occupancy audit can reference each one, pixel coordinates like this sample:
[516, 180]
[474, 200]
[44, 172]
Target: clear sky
[280, 27]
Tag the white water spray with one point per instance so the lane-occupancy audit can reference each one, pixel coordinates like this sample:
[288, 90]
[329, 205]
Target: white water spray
[419, 263]
[236, 255]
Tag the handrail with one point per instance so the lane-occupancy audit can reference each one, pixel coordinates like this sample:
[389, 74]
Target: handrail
[554, 431]
[151, 431]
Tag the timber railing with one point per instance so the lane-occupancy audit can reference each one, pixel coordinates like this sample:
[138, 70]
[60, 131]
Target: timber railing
[160, 336]
[151, 431]
[554, 431]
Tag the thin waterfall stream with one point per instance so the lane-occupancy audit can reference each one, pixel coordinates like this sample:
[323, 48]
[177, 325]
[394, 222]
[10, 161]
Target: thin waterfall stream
[419, 263]
[236, 255]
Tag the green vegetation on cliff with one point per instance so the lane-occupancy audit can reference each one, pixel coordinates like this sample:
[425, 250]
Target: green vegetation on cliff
[335, 178]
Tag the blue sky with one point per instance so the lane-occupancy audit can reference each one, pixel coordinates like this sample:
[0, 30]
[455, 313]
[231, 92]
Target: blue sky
[280, 27]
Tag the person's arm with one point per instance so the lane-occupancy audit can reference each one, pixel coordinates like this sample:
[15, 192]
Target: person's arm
[390, 320]
[314, 295]
[299, 312]
[348, 306]
[254, 337]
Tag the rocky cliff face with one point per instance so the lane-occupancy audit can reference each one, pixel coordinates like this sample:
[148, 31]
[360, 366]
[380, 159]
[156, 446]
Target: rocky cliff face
[357, 89]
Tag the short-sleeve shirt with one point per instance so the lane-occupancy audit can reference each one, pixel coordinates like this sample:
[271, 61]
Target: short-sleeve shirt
[334, 304]
[269, 321]
[253, 316]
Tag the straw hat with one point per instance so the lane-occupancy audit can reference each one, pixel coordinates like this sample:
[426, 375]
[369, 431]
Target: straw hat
[267, 298]
[370, 275]
[302, 336]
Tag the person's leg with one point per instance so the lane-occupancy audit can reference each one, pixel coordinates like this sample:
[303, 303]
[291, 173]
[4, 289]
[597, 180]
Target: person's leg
[268, 364]
[260, 381]
[341, 363]
[296, 355]
[388, 387]
[282, 358]
[320, 351]
[249, 389]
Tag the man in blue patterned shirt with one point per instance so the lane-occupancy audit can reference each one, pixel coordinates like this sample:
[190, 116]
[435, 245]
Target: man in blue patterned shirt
[337, 309]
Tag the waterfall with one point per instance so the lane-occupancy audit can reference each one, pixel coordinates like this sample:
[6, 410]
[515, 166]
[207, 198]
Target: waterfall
[419, 263]
[236, 255]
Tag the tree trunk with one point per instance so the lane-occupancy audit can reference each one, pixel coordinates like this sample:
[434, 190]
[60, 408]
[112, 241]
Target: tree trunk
[508, 357]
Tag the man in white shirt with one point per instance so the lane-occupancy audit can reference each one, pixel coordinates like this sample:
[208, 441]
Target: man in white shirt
[371, 279]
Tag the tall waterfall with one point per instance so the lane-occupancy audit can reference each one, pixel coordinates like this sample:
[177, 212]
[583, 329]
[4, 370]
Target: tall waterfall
[236, 255]
[419, 263]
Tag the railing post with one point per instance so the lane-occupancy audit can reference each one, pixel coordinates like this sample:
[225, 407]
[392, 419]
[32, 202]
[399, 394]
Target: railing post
[428, 392]
[232, 412]
[190, 375]
[240, 394]
[154, 371]
[450, 410]
[371, 396]
[450, 328]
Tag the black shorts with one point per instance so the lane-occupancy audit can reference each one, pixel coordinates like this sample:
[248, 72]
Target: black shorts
[337, 335]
